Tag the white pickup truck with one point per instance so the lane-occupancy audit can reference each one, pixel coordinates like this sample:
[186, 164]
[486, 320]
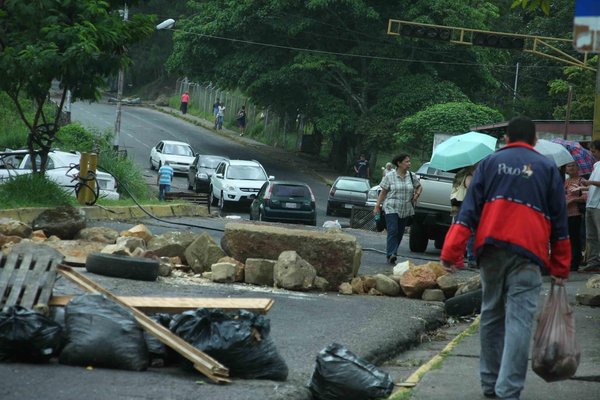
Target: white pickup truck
[59, 169]
[432, 212]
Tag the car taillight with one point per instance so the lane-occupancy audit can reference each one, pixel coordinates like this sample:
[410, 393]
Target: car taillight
[269, 192]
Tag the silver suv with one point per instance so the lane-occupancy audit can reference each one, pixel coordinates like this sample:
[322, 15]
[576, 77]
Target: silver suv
[236, 181]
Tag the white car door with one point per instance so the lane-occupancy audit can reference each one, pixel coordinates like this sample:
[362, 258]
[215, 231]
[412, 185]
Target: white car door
[155, 154]
[217, 180]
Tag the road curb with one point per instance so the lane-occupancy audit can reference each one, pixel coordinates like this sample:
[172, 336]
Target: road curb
[416, 376]
[123, 213]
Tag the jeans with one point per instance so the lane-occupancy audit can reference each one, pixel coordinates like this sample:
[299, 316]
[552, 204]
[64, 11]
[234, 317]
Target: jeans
[592, 226]
[162, 189]
[220, 119]
[395, 230]
[511, 286]
[575, 236]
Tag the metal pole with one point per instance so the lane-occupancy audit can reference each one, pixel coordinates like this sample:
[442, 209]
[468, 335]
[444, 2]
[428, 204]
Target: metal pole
[516, 83]
[568, 112]
[119, 95]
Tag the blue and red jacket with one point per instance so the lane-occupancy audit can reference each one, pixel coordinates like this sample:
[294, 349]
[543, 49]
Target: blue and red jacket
[515, 201]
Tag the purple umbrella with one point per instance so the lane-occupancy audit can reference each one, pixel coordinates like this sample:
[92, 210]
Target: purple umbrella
[583, 157]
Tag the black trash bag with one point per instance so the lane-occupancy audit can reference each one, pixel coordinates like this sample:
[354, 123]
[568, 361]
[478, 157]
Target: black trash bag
[28, 336]
[158, 353]
[340, 374]
[240, 341]
[102, 333]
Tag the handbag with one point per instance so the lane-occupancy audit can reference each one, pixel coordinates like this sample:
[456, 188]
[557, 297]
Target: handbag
[555, 354]
[380, 223]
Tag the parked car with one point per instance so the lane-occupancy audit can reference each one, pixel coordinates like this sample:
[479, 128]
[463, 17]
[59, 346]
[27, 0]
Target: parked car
[284, 201]
[179, 154]
[60, 169]
[201, 170]
[236, 181]
[372, 196]
[346, 192]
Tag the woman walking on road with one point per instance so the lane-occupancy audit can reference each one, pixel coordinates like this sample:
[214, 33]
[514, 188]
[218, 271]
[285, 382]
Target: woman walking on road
[399, 193]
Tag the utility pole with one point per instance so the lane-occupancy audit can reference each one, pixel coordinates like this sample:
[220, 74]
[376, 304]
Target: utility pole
[516, 83]
[568, 112]
[119, 94]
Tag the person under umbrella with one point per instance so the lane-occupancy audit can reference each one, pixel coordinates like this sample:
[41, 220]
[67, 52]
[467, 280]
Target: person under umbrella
[583, 157]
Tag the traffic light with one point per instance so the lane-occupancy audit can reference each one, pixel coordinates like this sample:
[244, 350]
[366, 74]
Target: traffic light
[498, 40]
[425, 32]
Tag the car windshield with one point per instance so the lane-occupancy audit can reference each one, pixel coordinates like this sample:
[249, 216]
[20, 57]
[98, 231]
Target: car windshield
[352, 185]
[209, 162]
[246, 172]
[178, 150]
[290, 191]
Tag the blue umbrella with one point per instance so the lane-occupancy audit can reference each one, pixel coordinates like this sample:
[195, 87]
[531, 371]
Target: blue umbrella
[462, 150]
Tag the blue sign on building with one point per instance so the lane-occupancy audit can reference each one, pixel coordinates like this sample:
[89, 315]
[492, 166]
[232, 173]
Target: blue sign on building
[586, 26]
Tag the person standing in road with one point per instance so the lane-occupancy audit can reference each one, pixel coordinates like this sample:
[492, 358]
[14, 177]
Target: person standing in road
[592, 213]
[516, 207]
[216, 112]
[361, 167]
[575, 197]
[185, 98]
[163, 180]
[399, 194]
[241, 120]
[220, 115]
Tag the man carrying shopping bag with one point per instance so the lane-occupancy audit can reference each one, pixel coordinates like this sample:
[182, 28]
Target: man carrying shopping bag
[516, 207]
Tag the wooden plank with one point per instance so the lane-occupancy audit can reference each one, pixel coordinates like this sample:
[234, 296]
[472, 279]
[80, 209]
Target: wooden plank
[35, 279]
[202, 362]
[9, 265]
[48, 282]
[181, 304]
[20, 276]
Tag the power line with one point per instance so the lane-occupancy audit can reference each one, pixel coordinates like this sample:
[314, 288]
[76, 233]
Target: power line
[349, 54]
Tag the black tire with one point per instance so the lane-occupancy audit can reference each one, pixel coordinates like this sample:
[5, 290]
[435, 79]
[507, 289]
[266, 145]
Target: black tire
[197, 188]
[151, 165]
[118, 266]
[418, 239]
[212, 199]
[464, 304]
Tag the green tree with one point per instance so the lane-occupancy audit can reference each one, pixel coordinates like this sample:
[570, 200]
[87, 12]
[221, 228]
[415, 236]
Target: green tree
[532, 5]
[415, 133]
[583, 82]
[77, 43]
[340, 83]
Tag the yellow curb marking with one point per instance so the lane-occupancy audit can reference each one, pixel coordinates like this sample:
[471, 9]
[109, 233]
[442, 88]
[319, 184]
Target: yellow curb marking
[423, 369]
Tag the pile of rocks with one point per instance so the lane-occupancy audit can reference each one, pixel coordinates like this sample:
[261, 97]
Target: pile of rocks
[428, 282]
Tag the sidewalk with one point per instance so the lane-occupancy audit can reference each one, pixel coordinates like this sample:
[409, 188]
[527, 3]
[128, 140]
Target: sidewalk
[458, 375]
[303, 162]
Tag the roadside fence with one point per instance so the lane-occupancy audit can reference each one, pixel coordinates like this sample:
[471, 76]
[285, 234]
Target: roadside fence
[280, 131]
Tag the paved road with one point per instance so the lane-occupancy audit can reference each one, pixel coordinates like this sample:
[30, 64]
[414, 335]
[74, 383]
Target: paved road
[142, 128]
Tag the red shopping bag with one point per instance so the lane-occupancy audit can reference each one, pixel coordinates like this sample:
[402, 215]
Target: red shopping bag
[555, 355]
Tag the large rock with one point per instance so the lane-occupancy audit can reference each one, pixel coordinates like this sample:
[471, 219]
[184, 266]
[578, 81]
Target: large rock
[223, 272]
[141, 231]
[13, 227]
[593, 282]
[335, 256]
[171, 244]
[416, 280]
[293, 273]
[259, 271]
[64, 222]
[202, 253]
[98, 234]
[473, 284]
[386, 285]
[448, 284]
[239, 267]
[588, 297]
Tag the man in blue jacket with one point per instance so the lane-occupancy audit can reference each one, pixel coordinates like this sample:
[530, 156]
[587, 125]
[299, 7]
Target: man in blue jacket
[516, 206]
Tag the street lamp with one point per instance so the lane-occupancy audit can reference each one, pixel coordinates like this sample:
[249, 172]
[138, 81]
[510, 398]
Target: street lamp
[166, 24]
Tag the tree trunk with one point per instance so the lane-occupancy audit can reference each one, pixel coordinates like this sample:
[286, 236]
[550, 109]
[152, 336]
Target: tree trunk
[338, 156]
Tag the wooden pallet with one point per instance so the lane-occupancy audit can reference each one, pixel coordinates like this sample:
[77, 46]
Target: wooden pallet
[27, 275]
[196, 198]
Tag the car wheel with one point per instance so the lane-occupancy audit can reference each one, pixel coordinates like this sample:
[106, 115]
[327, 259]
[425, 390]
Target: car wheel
[213, 200]
[197, 188]
[222, 203]
[127, 267]
[418, 239]
[151, 165]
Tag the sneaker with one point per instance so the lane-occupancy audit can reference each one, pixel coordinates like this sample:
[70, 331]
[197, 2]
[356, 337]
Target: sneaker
[392, 260]
[490, 395]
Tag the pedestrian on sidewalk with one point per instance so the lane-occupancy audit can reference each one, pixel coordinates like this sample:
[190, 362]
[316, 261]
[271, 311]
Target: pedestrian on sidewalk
[163, 180]
[220, 115]
[516, 207]
[576, 198]
[185, 98]
[399, 194]
[592, 213]
[216, 112]
[241, 120]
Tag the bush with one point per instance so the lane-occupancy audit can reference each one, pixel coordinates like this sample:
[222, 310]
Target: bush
[74, 137]
[130, 181]
[33, 190]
